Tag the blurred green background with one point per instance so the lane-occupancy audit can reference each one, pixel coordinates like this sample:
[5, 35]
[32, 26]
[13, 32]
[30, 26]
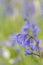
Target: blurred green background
[13, 24]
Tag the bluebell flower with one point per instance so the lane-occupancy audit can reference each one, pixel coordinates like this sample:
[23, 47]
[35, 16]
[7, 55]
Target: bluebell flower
[29, 8]
[9, 43]
[35, 48]
[9, 11]
[13, 39]
[25, 28]
[27, 52]
[27, 42]
[32, 44]
[17, 49]
[24, 41]
[19, 38]
[35, 28]
[41, 7]
[26, 12]
[41, 48]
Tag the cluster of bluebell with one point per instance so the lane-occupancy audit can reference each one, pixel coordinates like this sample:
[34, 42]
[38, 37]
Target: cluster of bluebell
[24, 38]
[29, 8]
